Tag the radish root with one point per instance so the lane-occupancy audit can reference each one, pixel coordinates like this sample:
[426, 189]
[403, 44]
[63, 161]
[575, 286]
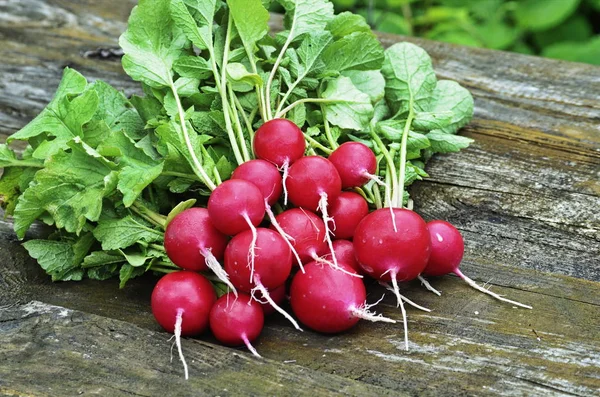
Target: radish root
[214, 265]
[288, 239]
[267, 296]
[178, 321]
[364, 313]
[249, 346]
[326, 219]
[285, 169]
[426, 284]
[401, 304]
[252, 250]
[404, 298]
[485, 291]
[333, 265]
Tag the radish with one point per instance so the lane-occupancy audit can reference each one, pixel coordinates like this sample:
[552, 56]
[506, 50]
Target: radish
[347, 211]
[447, 249]
[307, 233]
[344, 252]
[355, 162]
[392, 244]
[193, 243]
[278, 296]
[328, 300]
[237, 320]
[181, 303]
[312, 183]
[264, 175]
[280, 142]
[272, 264]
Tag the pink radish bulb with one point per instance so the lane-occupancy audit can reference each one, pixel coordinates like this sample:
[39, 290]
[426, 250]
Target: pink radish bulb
[307, 232]
[272, 261]
[386, 254]
[355, 162]
[279, 141]
[272, 264]
[344, 252]
[193, 243]
[181, 304]
[236, 205]
[328, 300]
[236, 321]
[278, 296]
[264, 175]
[310, 179]
[347, 211]
[447, 249]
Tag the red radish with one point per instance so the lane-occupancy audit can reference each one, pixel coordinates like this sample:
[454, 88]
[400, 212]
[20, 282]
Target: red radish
[278, 296]
[181, 303]
[344, 251]
[236, 205]
[355, 162]
[264, 175]
[447, 249]
[237, 320]
[392, 244]
[272, 264]
[307, 233]
[347, 211]
[193, 243]
[312, 183]
[328, 300]
[280, 142]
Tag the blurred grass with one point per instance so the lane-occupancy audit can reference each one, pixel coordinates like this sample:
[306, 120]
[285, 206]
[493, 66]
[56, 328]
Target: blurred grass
[561, 29]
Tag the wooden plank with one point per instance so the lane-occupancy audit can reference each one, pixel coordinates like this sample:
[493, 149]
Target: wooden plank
[73, 353]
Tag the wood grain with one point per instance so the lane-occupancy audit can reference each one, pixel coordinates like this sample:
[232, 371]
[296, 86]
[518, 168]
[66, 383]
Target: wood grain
[526, 196]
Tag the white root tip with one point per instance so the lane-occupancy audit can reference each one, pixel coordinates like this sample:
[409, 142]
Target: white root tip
[326, 220]
[364, 313]
[214, 265]
[429, 287]
[404, 298]
[267, 296]
[334, 266]
[375, 179]
[249, 346]
[252, 250]
[488, 292]
[404, 320]
[288, 239]
[285, 168]
[178, 321]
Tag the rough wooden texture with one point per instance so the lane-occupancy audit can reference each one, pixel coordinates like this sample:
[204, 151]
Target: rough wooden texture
[526, 196]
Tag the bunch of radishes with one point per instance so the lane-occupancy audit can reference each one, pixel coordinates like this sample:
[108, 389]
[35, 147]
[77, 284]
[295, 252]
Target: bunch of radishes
[329, 236]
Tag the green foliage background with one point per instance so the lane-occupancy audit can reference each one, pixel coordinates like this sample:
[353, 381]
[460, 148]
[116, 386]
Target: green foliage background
[561, 29]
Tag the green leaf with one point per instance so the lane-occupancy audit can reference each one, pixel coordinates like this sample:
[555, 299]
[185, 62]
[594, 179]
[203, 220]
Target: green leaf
[371, 82]
[60, 259]
[357, 51]
[427, 121]
[347, 23]
[251, 20]
[193, 66]
[70, 189]
[242, 80]
[309, 54]
[124, 232]
[576, 28]
[63, 118]
[588, 52]
[447, 143]
[10, 189]
[349, 107]
[151, 43]
[179, 208]
[102, 258]
[416, 141]
[305, 16]
[409, 77]
[128, 272]
[134, 257]
[449, 96]
[538, 15]
[116, 111]
[198, 28]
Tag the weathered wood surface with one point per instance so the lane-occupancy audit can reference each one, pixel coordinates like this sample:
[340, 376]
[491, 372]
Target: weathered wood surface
[526, 196]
